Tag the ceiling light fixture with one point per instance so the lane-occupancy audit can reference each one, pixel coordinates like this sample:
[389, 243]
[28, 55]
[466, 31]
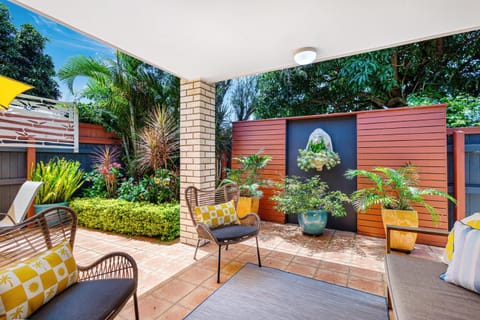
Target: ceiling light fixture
[305, 55]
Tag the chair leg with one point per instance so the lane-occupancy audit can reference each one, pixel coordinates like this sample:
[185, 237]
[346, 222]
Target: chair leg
[389, 299]
[135, 305]
[196, 249]
[226, 247]
[218, 269]
[258, 253]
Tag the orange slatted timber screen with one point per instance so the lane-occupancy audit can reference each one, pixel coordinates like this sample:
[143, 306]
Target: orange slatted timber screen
[269, 135]
[96, 134]
[391, 139]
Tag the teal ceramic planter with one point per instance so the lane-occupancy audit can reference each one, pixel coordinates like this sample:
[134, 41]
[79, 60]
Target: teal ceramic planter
[313, 222]
[40, 207]
[52, 220]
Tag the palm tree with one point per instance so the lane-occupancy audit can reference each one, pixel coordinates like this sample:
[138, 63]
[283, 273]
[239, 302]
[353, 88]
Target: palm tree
[128, 88]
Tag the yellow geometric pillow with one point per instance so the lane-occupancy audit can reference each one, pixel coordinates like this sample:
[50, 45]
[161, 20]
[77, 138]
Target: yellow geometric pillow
[217, 215]
[28, 285]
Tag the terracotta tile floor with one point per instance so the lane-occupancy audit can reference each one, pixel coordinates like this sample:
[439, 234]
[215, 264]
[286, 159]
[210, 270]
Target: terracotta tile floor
[171, 283]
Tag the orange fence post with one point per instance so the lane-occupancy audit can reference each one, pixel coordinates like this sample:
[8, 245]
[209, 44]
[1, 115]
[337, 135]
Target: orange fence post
[31, 160]
[459, 173]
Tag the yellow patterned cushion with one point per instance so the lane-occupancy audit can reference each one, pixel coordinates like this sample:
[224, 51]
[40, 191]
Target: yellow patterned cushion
[28, 285]
[217, 215]
[472, 221]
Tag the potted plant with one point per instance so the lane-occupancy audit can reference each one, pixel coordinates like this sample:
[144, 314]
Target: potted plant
[247, 177]
[396, 191]
[311, 200]
[316, 156]
[61, 178]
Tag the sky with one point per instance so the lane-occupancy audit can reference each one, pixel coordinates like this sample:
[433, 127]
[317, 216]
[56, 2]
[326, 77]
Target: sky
[63, 43]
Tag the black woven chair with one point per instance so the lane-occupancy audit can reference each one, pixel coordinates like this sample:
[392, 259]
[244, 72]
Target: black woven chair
[249, 226]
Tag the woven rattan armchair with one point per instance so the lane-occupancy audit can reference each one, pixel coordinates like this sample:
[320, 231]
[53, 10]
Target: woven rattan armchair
[116, 274]
[249, 226]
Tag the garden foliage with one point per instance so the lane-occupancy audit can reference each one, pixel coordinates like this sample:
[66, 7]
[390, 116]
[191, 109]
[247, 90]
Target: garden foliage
[61, 179]
[462, 110]
[162, 186]
[134, 219]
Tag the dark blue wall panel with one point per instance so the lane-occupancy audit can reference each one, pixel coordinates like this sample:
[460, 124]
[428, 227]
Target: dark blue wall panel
[342, 131]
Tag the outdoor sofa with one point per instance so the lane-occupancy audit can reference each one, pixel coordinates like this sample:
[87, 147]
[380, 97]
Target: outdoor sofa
[415, 290]
[44, 244]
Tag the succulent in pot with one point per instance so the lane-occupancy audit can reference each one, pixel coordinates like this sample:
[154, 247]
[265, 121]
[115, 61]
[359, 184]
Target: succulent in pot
[311, 199]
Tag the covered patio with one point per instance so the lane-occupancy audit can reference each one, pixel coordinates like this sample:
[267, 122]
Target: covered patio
[206, 42]
[209, 41]
[171, 283]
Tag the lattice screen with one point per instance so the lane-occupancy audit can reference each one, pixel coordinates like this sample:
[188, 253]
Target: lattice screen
[40, 123]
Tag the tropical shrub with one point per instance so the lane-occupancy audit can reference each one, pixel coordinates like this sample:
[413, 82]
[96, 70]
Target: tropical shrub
[300, 195]
[60, 177]
[104, 179]
[395, 189]
[247, 177]
[135, 219]
[160, 187]
[159, 141]
[95, 185]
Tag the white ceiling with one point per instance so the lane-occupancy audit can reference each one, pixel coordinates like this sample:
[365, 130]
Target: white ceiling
[215, 40]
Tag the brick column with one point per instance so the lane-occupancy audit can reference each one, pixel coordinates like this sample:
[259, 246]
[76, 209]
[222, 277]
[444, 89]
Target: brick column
[197, 146]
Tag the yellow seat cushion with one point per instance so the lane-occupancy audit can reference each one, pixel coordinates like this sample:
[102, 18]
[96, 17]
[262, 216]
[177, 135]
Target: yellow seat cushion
[27, 286]
[217, 215]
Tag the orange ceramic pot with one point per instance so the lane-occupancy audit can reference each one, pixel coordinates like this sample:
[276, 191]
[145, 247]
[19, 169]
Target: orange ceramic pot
[401, 240]
[247, 205]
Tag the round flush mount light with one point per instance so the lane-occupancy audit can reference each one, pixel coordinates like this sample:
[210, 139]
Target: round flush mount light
[305, 55]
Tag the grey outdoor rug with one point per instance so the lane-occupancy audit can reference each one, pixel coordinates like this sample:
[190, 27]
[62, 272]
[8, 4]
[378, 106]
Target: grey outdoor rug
[268, 293]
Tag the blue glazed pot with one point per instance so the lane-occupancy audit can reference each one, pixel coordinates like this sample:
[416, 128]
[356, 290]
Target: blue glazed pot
[52, 221]
[313, 222]
[40, 207]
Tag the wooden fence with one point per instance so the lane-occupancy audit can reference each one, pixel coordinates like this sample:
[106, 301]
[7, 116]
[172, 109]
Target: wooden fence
[464, 168]
[390, 137]
[15, 163]
[270, 135]
[393, 138]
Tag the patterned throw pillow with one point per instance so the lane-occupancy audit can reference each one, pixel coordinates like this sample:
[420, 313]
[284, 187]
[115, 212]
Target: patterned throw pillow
[217, 215]
[28, 285]
[472, 221]
[464, 270]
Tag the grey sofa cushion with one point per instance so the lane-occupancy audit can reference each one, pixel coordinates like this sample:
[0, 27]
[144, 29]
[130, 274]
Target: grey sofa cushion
[233, 232]
[417, 292]
[87, 300]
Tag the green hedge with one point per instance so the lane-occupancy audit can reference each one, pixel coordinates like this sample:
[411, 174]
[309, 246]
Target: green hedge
[130, 218]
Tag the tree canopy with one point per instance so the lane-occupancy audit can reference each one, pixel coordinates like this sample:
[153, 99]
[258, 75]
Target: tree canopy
[448, 66]
[123, 91]
[22, 57]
